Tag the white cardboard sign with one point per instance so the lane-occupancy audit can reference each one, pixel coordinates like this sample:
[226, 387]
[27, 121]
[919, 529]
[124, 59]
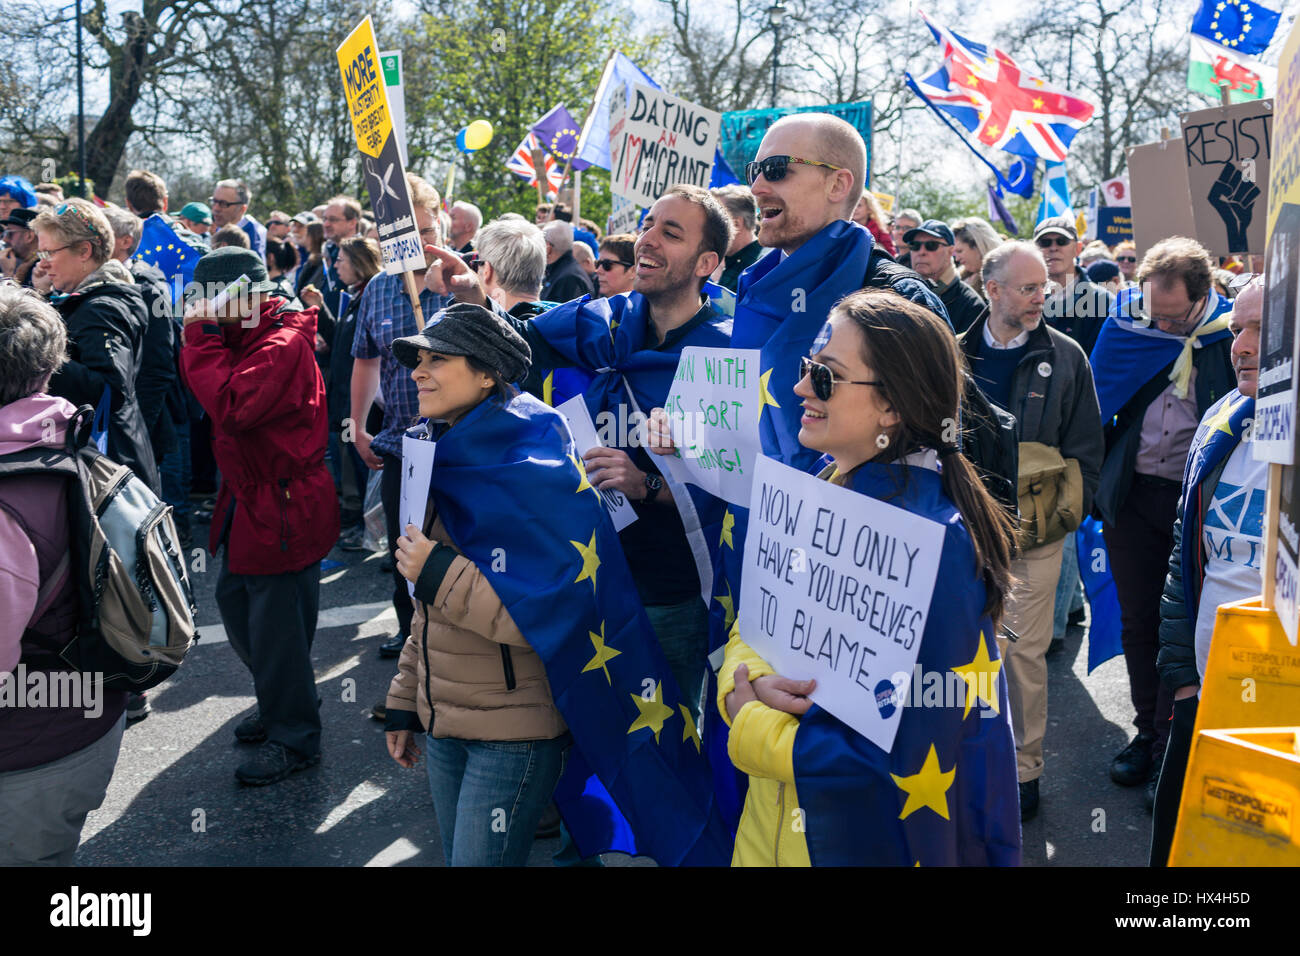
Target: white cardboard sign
[417, 473]
[575, 412]
[660, 141]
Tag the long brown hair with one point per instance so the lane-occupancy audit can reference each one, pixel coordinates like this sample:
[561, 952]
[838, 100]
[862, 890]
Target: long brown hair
[914, 356]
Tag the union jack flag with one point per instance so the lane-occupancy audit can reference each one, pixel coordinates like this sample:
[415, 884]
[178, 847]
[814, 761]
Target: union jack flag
[983, 89]
[521, 164]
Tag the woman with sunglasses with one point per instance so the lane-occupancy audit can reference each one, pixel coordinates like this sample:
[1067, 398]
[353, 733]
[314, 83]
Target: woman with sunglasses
[880, 398]
[975, 239]
[106, 319]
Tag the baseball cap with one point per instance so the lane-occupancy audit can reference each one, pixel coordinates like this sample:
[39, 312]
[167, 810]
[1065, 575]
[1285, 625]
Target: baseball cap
[1103, 270]
[931, 227]
[1058, 224]
[196, 212]
[305, 218]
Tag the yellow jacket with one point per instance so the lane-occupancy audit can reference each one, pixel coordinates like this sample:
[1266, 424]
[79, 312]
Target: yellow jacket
[761, 744]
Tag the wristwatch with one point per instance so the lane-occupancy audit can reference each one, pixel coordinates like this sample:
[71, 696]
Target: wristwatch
[652, 485]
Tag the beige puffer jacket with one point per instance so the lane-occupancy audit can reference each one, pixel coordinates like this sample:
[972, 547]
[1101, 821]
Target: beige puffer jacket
[466, 666]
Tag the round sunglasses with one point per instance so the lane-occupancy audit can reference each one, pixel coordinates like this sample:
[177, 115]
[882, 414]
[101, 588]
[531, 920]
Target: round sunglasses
[823, 380]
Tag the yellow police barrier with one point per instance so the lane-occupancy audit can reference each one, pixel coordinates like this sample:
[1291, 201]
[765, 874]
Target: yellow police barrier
[1242, 789]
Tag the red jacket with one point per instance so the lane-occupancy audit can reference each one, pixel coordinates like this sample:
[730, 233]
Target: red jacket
[266, 397]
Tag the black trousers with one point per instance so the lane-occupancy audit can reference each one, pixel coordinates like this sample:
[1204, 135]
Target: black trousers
[391, 490]
[1169, 791]
[1139, 544]
[271, 622]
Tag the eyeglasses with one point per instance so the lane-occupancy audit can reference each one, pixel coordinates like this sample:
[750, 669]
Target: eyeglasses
[1140, 312]
[608, 264]
[1028, 290]
[930, 245]
[1126, 258]
[1046, 242]
[1240, 282]
[223, 203]
[44, 254]
[774, 168]
[823, 380]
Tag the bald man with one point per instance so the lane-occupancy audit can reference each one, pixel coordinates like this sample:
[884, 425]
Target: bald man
[807, 178]
[1217, 555]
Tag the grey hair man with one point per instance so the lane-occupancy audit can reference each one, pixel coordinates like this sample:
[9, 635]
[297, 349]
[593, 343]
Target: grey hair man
[745, 248]
[513, 256]
[229, 202]
[1042, 377]
[466, 219]
[565, 278]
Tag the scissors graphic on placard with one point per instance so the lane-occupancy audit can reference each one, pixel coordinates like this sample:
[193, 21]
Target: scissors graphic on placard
[379, 196]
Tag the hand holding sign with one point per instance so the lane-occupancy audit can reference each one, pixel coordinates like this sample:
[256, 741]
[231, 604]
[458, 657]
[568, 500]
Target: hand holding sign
[659, 431]
[1233, 198]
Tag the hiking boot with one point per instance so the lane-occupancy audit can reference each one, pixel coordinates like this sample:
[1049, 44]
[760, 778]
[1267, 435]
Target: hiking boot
[137, 707]
[272, 763]
[251, 730]
[1132, 764]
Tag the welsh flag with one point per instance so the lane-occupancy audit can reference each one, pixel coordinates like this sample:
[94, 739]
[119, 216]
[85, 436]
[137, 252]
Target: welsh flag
[1211, 67]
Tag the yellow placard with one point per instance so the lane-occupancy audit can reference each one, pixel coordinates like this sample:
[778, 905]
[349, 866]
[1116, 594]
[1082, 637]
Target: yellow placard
[1284, 173]
[363, 84]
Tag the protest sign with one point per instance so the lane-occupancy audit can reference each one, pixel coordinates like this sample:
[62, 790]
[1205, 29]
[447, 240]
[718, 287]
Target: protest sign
[743, 130]
[1161, 204]
[584, 439]
[837, 587]
[1227, 150]
[624, 216]
[1114, 224]
[391, 61]
[1276, 402]
[713, 407]
[1115, 191]
[886, 201]
[417, 472]
[385, 175]
[662, 140]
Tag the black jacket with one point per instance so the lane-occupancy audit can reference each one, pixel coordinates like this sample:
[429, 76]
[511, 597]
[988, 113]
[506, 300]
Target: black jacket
[1215, 378]
[339, 395]
[566, 280]
[1058, 408]
[106, 333]
[963, 303]
[737, 263]
[158, 376]
[1081, 312]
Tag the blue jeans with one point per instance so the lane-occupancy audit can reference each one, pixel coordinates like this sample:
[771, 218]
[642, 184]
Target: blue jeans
[1068, 586]
[490, 795]
[683, 632]
[175, 472]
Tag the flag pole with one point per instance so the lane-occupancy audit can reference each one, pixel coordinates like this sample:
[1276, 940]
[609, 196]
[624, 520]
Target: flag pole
[948, 123]
[577, 174]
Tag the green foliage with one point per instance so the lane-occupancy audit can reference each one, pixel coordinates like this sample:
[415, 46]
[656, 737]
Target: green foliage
[506, 61]
[935, 198]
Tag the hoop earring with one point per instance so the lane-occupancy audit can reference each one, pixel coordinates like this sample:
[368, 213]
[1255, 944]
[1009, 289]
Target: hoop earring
[882, 441]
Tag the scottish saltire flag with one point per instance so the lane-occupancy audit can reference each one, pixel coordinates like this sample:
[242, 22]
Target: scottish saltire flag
[984, 90]
[1240, 25]
[1218, 434]
[161, 246]
[1056, 193]
[1212, 68]
[558, 131]
[1020, 177]
[637, 780]
[946, 793]
[521, 164]
[619, 75]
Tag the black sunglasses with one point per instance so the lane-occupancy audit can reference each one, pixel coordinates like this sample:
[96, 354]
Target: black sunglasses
[609, 264]
[823, 380]
[930, 245]
[1046, 242]
[1126, 258]
[774, 168]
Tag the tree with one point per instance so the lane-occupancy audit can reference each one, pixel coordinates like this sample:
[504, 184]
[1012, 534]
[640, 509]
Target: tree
[506, 61]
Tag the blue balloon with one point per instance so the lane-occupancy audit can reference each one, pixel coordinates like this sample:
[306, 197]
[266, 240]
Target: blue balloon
[460, 142]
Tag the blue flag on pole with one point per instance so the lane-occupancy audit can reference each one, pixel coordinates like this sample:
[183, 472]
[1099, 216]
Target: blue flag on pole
[637, 780]
[163, 247]
[557, 132]
[1020, 177]
[1056, 193]
[1241, 25]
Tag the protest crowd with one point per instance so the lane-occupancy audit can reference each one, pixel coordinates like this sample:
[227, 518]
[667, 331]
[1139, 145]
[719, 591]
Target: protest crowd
[598, 635]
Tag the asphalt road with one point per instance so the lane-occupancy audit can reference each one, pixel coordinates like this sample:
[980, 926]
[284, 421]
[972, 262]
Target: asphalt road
[174, 799]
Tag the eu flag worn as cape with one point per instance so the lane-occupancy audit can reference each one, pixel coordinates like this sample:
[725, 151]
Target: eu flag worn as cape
[512, 493]
[946, 793]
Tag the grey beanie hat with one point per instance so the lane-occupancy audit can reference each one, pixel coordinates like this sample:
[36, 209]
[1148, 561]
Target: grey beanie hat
[471, 330]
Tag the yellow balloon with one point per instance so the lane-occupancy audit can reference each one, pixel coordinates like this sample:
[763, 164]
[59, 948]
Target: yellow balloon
[478, 134]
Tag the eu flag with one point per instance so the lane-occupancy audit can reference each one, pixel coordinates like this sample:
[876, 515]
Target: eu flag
[161, 246]
[557, 132]
[511, 490]
[1241, 25]
[945, 793]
